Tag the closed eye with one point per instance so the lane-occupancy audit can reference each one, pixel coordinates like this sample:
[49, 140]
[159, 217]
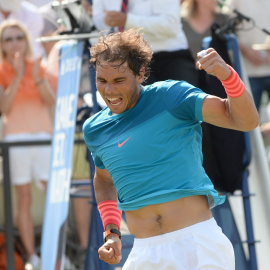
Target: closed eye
[120, 80]
[117, 80]
[101, 80]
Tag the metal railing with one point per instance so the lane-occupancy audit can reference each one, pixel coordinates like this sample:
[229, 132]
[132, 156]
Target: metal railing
[9, 234]
[8, 226]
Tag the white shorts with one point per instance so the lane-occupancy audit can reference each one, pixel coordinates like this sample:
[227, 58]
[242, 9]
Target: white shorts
[27, 163]
[201, 246]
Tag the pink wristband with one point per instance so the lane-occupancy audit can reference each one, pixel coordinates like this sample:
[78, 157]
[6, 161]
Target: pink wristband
[233, 86]
[109, 213]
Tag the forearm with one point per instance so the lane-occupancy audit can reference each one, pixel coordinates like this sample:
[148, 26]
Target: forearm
[106, 197]
[242, 112]
[255, 57]
[8, 95]
[46, 92]
[244, 49]
[240, 106]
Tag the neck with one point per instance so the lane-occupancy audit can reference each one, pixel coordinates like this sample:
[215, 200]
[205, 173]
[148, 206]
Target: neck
[140, 87]
[204, 11]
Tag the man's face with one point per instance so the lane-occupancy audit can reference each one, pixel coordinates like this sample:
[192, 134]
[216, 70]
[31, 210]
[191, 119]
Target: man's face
[118, 86]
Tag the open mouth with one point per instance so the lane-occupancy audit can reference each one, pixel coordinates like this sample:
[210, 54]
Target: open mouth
[114, 101]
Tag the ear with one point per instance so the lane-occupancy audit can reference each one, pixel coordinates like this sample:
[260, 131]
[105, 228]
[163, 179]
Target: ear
[140, 77]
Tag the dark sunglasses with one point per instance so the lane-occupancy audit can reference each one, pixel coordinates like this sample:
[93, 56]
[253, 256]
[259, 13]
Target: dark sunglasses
[17, 38]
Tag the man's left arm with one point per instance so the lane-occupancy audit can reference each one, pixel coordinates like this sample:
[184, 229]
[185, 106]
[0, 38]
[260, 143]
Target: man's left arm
[238, 110]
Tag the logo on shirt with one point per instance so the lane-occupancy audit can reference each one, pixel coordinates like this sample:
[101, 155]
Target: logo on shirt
[121, 144]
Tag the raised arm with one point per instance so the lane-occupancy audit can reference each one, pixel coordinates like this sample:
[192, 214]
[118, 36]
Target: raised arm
[105, 193]
[237, 112]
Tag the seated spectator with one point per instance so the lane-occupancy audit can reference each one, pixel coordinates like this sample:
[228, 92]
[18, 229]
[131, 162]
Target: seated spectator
[25, 97]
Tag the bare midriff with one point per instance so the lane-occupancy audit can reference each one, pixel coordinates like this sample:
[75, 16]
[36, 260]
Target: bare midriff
[167, 217]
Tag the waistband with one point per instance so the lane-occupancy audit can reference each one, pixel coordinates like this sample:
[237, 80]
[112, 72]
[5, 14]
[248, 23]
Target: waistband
[208, 225]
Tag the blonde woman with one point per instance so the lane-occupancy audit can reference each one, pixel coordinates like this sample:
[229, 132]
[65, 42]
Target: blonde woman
[25, 99]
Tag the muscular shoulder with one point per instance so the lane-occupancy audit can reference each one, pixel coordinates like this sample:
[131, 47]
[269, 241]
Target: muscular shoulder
[93, 126]
[183, 100]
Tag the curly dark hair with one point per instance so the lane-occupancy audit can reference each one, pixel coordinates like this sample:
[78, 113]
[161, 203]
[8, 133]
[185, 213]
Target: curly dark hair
[128, 46]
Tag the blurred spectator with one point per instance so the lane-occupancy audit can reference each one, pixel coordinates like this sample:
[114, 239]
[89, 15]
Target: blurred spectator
[255, 62]
[161, 24]
[13, 9]
[25, 97]
[198, 16]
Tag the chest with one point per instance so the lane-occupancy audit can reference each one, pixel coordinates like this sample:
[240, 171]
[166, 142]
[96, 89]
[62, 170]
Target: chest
[147, 143]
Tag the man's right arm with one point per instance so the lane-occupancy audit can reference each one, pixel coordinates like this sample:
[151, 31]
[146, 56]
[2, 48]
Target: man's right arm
[104, 188]
[110, 252]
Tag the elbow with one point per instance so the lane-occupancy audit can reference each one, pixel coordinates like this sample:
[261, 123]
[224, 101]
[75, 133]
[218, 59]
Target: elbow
[252, 123]
[255, 124]
[256, 120]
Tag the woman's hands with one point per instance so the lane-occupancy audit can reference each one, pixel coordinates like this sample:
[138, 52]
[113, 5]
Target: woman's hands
[36, 71]
[19, 67]
[18, 64]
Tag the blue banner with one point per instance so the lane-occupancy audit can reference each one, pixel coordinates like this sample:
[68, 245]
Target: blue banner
[57, 198]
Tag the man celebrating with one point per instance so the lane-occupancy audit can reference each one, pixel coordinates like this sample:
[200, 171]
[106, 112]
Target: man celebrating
[146, 146]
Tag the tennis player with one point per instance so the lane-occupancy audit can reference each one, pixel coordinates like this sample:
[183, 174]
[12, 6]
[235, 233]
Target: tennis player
[146, 145]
